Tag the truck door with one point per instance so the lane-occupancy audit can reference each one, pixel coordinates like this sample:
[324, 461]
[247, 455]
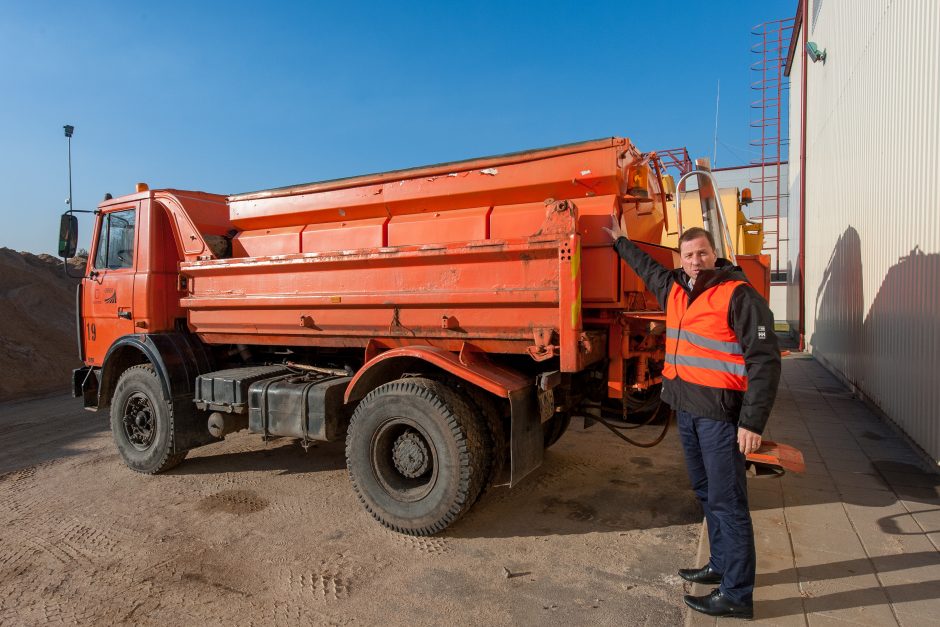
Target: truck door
[108, 291]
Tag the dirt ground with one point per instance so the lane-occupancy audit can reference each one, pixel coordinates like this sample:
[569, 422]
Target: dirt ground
[248, 533]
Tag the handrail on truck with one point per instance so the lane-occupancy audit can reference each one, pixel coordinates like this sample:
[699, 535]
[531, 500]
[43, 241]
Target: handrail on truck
[722, 219]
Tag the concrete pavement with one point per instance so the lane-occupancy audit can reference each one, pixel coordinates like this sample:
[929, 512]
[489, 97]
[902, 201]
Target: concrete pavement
[856, 539]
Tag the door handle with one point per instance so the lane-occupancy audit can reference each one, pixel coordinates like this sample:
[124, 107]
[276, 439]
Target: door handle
[124, 314]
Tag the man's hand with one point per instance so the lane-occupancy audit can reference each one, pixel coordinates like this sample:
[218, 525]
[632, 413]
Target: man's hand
[748, 441]
[617, 230]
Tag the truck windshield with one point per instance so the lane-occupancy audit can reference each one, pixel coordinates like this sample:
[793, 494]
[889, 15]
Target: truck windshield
[115, 247]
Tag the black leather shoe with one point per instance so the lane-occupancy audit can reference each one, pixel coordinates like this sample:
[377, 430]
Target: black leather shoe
[705, 575]
[717, 604]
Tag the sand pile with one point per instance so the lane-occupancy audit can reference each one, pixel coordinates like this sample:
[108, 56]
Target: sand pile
[38, 345]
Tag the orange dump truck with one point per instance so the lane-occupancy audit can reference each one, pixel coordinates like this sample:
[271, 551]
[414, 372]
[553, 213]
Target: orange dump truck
[446, 321]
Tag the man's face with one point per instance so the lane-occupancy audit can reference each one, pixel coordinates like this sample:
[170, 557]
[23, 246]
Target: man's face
[697, 255]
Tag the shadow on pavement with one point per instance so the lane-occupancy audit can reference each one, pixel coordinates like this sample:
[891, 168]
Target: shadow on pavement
[851, 568]
[851, 599]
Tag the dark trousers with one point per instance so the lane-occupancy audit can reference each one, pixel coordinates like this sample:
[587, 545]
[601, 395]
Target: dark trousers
[716, 469]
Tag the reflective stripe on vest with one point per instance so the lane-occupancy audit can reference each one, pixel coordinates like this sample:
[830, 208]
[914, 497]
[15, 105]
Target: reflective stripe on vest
[705, 362]
[701, 347]
[732, 348]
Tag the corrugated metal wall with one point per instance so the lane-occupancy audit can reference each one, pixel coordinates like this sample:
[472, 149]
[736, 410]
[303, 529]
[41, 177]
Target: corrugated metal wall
[873, 204]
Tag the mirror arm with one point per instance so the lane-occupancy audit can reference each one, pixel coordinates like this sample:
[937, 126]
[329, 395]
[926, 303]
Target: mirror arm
[65, 265]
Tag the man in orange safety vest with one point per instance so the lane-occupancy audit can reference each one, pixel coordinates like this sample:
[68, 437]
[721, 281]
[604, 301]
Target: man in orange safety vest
[721, 374]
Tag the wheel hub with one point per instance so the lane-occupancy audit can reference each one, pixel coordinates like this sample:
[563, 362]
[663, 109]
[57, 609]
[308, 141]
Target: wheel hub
[139, 422]
[141, 419]
[410, 455]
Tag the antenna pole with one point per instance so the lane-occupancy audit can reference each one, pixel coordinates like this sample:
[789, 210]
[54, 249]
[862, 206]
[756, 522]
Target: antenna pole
[715, 147]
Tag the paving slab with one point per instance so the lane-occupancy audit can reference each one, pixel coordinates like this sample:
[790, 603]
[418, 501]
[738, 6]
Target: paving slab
[849, 461]
[859, 480]
[835, 456]
[830, 515]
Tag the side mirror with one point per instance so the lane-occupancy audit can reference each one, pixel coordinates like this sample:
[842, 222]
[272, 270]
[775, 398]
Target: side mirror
[68, 235]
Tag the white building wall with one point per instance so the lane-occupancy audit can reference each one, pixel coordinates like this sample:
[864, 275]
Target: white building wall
[873, 204]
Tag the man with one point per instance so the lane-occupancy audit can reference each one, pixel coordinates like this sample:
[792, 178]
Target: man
[721, 374]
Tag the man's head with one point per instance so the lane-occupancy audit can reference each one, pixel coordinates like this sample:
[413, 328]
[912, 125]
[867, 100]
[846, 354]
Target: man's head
[697, 251]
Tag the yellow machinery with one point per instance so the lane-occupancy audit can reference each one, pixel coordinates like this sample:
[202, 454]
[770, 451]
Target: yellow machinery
[700, 207]
[748, 236]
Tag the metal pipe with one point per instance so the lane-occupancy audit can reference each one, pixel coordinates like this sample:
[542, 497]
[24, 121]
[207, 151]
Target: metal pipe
[70, 171]
[331, 371]
[803, 101]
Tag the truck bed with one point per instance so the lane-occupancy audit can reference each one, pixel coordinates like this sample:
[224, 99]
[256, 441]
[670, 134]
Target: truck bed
[505, 296]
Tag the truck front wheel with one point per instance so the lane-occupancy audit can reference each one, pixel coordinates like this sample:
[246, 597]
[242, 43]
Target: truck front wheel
[416, 455]
[140, 422]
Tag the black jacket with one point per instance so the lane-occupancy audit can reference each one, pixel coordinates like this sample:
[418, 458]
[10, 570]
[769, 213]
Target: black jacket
[752, 322]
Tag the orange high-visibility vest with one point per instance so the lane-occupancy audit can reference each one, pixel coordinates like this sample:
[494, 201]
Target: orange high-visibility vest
[701, 347]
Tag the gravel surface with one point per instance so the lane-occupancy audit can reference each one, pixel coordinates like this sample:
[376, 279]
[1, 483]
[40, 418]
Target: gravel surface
[252, 533]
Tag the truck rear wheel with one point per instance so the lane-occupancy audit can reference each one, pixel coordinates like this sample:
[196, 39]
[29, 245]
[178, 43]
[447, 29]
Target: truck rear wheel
[416, 455]
[141, 422]
[555, 427]
[486, 406]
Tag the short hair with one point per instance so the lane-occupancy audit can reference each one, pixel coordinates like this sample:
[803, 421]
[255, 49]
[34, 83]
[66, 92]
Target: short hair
[696, 232]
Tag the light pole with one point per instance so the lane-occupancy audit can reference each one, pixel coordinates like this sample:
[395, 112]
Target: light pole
[69, 129]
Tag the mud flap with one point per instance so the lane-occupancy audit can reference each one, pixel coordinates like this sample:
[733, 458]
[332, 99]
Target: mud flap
[527, 443]
[773, 460]
[85, 386]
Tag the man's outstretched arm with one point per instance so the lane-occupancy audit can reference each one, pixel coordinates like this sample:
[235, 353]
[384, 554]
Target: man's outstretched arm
[657, 278]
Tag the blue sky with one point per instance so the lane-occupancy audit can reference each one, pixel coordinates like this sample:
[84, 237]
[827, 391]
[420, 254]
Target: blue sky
[230, 97]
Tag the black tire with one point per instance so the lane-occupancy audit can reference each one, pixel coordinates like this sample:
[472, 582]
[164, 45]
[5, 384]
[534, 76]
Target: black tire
[415, 452]
[487, 406]
[555, 427]
[141, 422]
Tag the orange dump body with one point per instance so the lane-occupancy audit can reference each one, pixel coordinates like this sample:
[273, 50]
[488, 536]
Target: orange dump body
[503, 253]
